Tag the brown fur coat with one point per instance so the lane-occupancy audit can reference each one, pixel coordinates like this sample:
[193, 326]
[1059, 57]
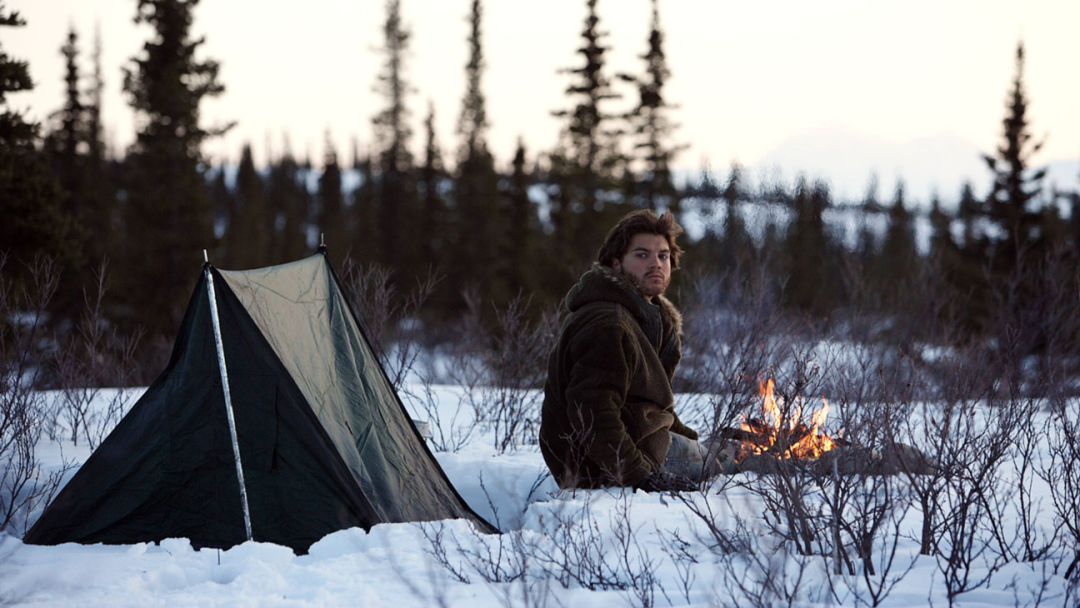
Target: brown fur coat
[608, 404]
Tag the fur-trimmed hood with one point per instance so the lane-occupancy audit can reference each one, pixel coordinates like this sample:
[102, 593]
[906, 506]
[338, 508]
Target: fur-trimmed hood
[603, 283]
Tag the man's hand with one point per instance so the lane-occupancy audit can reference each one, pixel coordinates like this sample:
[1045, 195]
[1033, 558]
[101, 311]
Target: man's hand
[665, 481]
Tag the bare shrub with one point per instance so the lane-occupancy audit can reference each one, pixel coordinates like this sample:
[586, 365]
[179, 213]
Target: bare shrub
[767, 574]
[733, 337]
[94, 357]
[1062, 472]
[577, 548]
[683, 558]
[389, 319]
[501, 368]
[967, 439]
[448, 434]
[24, 485]
[865, 502]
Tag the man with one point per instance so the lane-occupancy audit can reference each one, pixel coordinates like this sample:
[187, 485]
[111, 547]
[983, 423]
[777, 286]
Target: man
[608, 417]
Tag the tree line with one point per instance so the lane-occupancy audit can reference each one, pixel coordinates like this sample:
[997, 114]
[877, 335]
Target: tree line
[498, 231]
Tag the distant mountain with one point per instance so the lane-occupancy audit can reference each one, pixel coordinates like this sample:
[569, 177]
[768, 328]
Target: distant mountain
[846, 158]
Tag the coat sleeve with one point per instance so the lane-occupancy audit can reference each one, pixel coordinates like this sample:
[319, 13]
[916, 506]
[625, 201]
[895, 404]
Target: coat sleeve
[671, 363]
[604, 362]
[682, 429]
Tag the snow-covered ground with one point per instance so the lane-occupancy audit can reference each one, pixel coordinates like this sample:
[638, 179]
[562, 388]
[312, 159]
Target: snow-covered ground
[583, 548]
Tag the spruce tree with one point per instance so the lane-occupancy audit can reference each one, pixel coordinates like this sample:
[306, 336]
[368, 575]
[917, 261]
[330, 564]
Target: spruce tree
[95, 136]
[168, 217]
[223, 202]
[1014, 205]
[331, 209]
[365, 218]
[1074, 218]
[969, 294]
[64, 142]
[476, 188]
[1013, 201]
[248, 236]
[968, 211]
[652, 127]
[895, 268]
[288, 200]
[941, 239]
[811, 285]
[516, 254]
[100, 188]
[736, 248]
[64, 146]
[396, 192]
[29, 195]
[588, 159]
[871, 201]
[432, 221]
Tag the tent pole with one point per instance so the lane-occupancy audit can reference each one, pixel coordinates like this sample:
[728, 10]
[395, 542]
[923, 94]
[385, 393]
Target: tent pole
[228, 399]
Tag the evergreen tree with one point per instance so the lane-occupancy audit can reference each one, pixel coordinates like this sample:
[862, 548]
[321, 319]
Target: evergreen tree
[364, 212]
[100, 187]
[811, 284]
[895, 265]
[968, 287]
[736, 248]
[866, 242]
[476, 189]
[331, 209]
[95, 137]
[651, 125]
[288, 200]
[969, 209]
[64, 148]
[29, 196]
[587, 160]
[1013, 200]
[223, 202]
[432, 222]
[1074, 219]
[64, 141]
[1028, 232]
[871, 202]
[396, 193]
[248, 236]
[14, 130]
[168, 218]
[941, 239]
[516, 254]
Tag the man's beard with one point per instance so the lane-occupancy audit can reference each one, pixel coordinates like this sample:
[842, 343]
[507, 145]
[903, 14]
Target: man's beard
[649, 291]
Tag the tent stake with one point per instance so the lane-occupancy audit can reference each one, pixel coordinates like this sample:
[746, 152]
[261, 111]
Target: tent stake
[228, 399]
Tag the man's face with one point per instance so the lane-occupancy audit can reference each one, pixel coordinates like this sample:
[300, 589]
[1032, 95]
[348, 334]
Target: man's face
[647, 263]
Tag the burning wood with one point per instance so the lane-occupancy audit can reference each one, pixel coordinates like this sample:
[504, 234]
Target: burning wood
[781, 430]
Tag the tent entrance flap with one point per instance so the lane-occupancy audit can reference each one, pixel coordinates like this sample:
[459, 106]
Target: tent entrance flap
[220, 345]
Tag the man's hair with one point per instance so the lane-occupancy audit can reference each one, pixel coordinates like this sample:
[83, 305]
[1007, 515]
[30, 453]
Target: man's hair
[644, 221]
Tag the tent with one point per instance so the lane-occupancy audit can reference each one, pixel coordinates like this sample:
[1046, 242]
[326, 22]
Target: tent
[322, 441]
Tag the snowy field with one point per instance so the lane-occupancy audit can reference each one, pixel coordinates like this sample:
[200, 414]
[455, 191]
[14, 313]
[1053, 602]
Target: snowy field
[583, 548]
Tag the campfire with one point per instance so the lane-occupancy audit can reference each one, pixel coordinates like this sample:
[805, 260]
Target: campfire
[780, 430]
[783, 432]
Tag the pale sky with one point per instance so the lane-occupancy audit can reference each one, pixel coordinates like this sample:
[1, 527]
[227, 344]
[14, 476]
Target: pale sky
[749, 76]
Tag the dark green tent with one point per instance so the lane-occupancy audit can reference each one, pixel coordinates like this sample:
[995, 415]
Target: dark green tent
[325, 442]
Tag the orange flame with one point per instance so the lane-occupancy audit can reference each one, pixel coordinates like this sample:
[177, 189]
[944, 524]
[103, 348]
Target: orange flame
[782, 432]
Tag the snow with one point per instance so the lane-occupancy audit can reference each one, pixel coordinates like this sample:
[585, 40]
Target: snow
[596, 548]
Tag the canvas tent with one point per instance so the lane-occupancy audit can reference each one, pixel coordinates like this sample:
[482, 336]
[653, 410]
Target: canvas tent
[325, 442]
